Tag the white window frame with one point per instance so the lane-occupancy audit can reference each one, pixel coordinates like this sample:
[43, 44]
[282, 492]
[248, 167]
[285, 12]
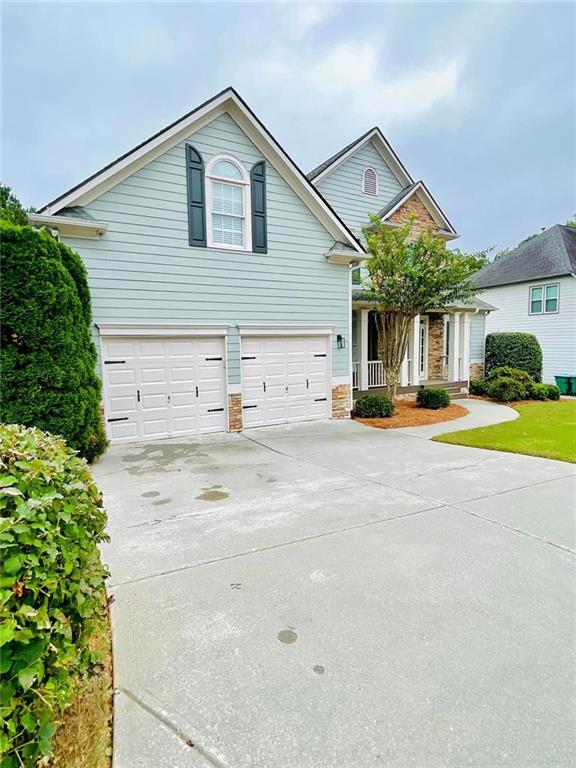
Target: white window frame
[544, 311]
[245, 184]
[375, 172]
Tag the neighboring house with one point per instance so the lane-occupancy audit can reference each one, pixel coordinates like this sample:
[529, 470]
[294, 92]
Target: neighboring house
[533, 289]
[221, 277]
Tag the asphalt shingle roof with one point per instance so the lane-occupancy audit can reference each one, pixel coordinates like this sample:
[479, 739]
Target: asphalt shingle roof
[396, 199]
[319, 168]
[550, 254]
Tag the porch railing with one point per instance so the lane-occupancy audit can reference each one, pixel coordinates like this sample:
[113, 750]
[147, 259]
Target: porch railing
[355, 375]
[376, 376]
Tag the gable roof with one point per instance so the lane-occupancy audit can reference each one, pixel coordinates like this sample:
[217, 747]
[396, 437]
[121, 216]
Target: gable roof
[550, 254]
[445, 228]
[227, 101]
[375, 136]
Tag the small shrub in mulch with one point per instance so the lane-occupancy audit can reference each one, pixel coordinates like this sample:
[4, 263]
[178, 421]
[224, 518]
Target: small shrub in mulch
[374, 407]
[432, 398]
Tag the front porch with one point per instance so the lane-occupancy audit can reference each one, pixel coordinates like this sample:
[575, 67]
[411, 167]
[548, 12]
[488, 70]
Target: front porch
[438, 353]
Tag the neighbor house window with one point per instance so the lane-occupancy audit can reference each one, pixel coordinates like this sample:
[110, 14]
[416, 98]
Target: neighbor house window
[370, 181]
[544, 299]
[228, 204]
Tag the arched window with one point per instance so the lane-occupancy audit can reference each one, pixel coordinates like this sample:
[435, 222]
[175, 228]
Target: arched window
[370, 181]
[228, 204]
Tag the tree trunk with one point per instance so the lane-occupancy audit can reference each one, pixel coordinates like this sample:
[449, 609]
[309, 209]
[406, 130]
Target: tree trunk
[393, 330]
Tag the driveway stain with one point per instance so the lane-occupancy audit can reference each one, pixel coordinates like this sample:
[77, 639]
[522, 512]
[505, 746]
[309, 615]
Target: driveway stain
[150, 494]
[161, 502]
[287, 636]
[318, 668]
[162, 458]
[213, 494]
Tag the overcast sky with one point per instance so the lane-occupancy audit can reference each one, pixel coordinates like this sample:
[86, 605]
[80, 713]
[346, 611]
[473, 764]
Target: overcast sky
[477, 99]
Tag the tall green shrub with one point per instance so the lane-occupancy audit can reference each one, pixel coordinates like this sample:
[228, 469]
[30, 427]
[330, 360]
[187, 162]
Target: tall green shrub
[51, 587]
[48, 358]
[515, 350]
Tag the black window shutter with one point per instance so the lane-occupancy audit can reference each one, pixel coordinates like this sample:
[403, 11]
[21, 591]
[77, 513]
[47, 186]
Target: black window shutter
[196, 197]
[258, 187]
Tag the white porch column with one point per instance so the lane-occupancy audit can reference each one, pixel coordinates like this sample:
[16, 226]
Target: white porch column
[415, 351]
[453, 346]
[464, 373]
[362, 341]
[404, 370]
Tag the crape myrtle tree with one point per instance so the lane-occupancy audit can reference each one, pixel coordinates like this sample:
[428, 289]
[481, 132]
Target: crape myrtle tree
[47, 360]
[410, 275]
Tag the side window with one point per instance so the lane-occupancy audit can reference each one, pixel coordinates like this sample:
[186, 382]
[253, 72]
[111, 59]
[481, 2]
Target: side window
[370, 181]
[356, 276]
[544, 299]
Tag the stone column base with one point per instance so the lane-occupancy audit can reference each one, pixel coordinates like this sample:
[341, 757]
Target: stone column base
[235, 412]
[341, 401]
[476, 370]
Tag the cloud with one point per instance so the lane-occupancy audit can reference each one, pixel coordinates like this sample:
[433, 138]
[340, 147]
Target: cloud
[350, 76]
[309, 15]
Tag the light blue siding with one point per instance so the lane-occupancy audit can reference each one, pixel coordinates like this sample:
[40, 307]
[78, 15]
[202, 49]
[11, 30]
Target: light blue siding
[143, 270]
[343, 187]
[477, 335]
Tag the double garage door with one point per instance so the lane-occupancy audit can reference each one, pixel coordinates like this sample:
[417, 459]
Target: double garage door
[171, 387]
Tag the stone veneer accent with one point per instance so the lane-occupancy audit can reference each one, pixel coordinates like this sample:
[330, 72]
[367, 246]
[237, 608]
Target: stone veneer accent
[476, 370]
[414, 207]
[341, 401]
[235, 412]
[435, 345]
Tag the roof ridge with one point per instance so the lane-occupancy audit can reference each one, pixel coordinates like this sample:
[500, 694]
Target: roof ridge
[332, 159]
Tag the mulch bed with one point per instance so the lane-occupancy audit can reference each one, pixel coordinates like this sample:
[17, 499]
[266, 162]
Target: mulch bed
[408, 414]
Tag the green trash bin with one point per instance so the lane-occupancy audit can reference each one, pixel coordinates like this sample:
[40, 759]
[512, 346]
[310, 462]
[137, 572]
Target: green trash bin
[566, 383]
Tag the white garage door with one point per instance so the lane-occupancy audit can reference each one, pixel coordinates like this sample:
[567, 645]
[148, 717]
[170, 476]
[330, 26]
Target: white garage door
[163, 387]
[284, 379]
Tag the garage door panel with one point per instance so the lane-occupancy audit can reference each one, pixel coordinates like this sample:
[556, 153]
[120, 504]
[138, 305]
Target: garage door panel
[177, 385]
[284, 379]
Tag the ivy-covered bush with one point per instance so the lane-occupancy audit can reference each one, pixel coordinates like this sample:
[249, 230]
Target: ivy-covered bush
[432, 398]
[516, 350]
[478, 387]
[373, 407]
[51, 586]
[47, 358]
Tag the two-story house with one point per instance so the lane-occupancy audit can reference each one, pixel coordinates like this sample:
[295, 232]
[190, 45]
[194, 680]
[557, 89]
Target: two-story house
[221, 277]
[533, 288]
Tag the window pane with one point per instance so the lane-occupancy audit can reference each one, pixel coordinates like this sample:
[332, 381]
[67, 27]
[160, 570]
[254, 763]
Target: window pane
[536, 294]
[356, 276]
[227, 230]
[551, 305]
[227, 170]
[227, 198]
[536, 307]
[551, 291]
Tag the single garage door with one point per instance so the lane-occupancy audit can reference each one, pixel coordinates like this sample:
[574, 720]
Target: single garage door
[284, 379]
[163, 387]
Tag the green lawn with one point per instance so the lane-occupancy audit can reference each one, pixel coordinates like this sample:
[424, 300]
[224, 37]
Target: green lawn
[543, 429]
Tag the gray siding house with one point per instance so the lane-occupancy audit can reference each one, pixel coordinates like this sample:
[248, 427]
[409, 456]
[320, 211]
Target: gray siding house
[221, 277]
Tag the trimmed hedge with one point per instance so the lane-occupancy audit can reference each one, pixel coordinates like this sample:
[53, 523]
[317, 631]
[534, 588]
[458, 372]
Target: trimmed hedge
[553, 392]
[51, 588]
[538, 391]
[432, 398]
[516, 350]
[48, 358]
[374, 407]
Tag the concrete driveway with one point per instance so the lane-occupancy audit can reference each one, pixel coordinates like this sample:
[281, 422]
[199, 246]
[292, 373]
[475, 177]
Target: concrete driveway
[329, 595]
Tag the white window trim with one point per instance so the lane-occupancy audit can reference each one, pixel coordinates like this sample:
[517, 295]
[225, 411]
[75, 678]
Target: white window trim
[543, 311]
[370, 168]
[245, 184]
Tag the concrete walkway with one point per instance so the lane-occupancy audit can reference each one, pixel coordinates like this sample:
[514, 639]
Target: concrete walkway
[481, 414]
[328, 594]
